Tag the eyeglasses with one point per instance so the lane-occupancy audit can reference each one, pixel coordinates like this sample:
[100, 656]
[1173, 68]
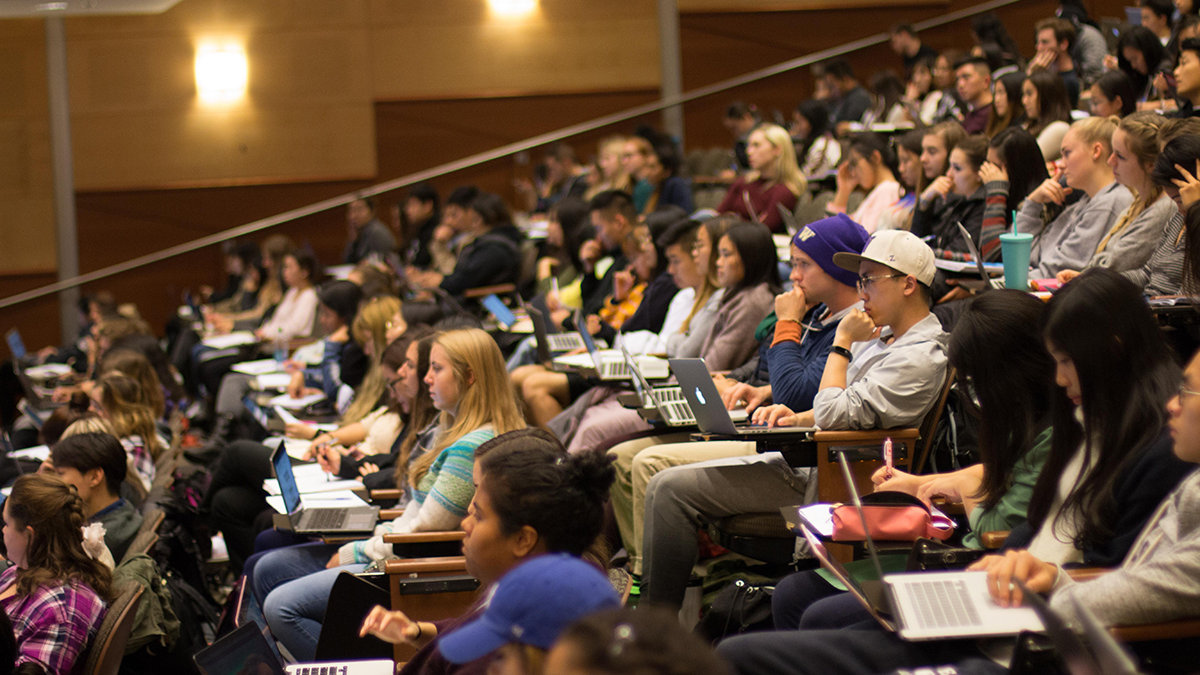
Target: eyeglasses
[865, 282]
[1184, 392]
[392, 383]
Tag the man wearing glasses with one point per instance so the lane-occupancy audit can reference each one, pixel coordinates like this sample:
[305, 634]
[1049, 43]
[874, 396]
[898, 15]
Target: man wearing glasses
[888, 361]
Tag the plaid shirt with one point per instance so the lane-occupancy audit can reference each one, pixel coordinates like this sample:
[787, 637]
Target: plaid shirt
[142, 462]
[54, 625]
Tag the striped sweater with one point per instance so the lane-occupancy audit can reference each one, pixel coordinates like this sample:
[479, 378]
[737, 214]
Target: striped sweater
[1163, 272]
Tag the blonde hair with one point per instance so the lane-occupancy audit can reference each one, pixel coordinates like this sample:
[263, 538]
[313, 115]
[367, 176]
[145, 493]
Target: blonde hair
[1141, 135]
[787, 169]
[371, 323]
[485, 393]
[715, 228]
[91, 424]
[1097, 130]
[620, 181]
[137, 366]
[122, 398]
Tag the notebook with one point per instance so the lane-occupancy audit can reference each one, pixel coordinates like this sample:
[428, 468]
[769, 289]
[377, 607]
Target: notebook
[245, 651]
[341, 520]
[709, 410]
[941, 605]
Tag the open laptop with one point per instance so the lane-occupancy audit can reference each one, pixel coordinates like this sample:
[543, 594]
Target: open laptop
[246, 651]
[555, 342]
[322, 520]
[988, 282]
[672, 407]
[609, 364]
[15, 344]
[940, 605]
[709, 410]
[500, 311]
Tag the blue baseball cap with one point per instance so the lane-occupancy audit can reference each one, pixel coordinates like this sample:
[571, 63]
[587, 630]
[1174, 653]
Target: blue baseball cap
[826, 238]
[532, 605]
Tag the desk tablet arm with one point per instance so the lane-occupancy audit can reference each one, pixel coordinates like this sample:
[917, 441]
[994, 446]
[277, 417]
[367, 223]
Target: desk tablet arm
[385, 495]
[993, 540]
[484, 291]
[426, 544]
[420, 566]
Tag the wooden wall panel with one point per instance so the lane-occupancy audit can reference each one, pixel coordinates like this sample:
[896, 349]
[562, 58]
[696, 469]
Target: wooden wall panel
[726, 6]
[567, 45]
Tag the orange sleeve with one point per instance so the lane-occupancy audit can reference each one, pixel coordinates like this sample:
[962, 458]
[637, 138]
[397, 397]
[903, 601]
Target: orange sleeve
[786, 331]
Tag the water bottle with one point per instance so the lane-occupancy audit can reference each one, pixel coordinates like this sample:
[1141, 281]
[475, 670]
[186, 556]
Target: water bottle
[281, 348]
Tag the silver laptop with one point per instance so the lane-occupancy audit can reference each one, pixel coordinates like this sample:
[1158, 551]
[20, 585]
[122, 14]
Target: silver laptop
[323, 520]
[941, 605]
[550, 343]
[705, 402]
[988, 282]
[608, 366]
[672, 407]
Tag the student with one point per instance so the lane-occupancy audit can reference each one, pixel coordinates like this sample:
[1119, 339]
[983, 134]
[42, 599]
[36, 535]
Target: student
[368, 235]
[1006, 104]
[936, 144]
[869, 165]
[337, 308]
[1139, 52]
[1070, 239]
[1055, 42]
[948, 105]
[740, 119]
[449, 236]
[531, 606]
[661, 171]
[566, 231]
[1113, 94]
[1187, 78]
[747, 270]
[422, 216]
[1164, 273]
[888, 92]
[850, 100]
[920, 95]
[973, 81]
[1157, 16]
[795, 360]
[911, 174]
[774, 179]
[877, 385]
[613, 216]
[1110, 466]
[235, 497]
[269, 289]
[1014, 170]
[115, 397]
[295, 315]
[1047, 111]
[907, 44]
[530, 499]
[812, 136]
[132, 364]
[94, 464]
[488, 259]
[469, 385]
[646, 641]
[54, 593]
[1131, 241]
[996, 353]
[954, 199]
[609, 173]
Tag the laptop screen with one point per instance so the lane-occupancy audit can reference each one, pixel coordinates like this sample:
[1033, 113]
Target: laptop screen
[499, 310]
[256, 411]
[243, 652]
[15, 344]
[588, 342]
[287, 479]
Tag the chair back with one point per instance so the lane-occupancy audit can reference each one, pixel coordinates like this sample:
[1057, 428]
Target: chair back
[108, 647]
[929, 425]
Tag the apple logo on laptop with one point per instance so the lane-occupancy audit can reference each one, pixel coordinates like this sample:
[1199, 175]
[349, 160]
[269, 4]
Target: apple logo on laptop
[700, 397]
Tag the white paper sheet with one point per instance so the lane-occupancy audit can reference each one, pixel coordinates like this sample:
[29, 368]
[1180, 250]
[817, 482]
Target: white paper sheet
[39, 452]
[336, 498]
[234, 339]
[259, 367]
[285, 401]
[279, 381]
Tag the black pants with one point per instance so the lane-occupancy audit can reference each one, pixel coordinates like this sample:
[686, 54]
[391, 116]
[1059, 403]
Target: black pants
[236, 503]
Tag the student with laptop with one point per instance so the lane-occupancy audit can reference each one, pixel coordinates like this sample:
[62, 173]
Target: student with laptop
[469, 385]
[1115, 376]
[869, 381]
[794, 362]
[530, 499]
[997, 353]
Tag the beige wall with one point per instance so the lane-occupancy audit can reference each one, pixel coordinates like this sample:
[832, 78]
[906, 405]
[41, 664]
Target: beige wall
[316, 69]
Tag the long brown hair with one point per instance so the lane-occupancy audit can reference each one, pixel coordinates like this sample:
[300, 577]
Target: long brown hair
[371, 324]
[122, 398]
[137, 366]
[422, 412]
[55, 512]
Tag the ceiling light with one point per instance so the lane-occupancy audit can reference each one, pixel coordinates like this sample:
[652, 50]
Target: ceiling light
[51, 7]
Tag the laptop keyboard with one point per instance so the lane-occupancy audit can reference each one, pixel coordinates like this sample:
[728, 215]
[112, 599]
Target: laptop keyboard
[667, 395]
[942, 604]
[327, 519]
[320, 670]
[615, 369]
[564, 342]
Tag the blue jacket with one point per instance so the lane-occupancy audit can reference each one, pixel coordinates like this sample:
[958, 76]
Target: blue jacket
[796, 369]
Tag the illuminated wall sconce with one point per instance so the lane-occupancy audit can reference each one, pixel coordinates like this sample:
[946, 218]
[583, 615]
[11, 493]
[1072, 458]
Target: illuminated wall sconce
[221, 74]
[513, 8]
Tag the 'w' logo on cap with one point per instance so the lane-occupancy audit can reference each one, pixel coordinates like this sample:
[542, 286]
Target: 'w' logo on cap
[806, 234]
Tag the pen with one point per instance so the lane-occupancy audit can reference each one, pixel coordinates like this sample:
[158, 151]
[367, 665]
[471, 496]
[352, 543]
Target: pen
[887, 455]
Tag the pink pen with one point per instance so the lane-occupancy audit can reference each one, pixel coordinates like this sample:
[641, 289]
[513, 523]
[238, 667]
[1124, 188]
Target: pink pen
[887, 455]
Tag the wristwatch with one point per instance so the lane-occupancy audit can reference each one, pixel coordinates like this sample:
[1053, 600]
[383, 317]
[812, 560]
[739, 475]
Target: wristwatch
[841, 351]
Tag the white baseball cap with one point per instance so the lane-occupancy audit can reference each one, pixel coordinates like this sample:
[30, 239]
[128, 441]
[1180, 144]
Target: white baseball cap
[900, 250]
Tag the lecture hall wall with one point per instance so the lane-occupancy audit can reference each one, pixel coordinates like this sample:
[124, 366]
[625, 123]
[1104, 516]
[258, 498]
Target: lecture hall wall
[344, 94]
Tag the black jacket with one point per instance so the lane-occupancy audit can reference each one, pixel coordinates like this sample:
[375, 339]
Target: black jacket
[492, 258]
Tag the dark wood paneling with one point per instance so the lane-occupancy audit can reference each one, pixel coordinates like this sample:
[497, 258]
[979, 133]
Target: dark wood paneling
[37, 319]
